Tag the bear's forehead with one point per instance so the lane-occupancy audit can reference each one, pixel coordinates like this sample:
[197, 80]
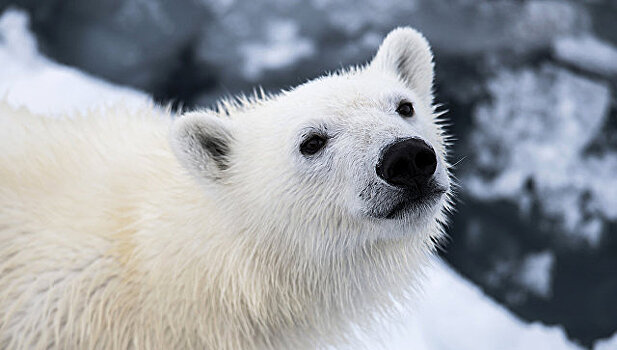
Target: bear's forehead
[333, 101]
[352, 91]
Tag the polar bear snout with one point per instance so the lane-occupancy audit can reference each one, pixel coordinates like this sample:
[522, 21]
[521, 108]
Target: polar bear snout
[407, 164]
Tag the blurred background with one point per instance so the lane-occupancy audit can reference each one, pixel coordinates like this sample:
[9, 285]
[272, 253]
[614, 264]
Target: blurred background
[529, 85]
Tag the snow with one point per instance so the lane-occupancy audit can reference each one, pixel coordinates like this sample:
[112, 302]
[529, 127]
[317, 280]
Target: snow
[588, 53]
[455, 314]
[533, 136]
[606, 344]
[29, 79]
[451, 314]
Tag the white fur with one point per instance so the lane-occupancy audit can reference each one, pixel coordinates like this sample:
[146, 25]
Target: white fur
[119, 230]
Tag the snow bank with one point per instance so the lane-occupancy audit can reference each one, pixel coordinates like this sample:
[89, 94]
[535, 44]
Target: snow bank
[453, 314]
[606, 344]
[29, 79]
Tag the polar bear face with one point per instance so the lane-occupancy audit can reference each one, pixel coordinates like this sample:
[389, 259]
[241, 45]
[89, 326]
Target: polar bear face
[359, 150]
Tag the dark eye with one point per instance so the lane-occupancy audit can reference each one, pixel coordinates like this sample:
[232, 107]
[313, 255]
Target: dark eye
[405, 109]
[312, 144]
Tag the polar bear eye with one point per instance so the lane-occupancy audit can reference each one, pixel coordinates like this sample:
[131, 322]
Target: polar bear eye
[405, 109]
[312, 144]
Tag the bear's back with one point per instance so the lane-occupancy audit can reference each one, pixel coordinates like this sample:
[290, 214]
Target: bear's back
[61, 166]
[69, 188]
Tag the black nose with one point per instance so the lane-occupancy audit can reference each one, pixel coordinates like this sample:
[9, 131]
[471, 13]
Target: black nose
[407, 164]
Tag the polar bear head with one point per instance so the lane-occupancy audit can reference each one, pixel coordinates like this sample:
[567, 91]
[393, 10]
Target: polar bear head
[358, 155]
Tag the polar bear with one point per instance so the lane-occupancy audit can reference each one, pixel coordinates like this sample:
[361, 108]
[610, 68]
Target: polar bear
[277, 221]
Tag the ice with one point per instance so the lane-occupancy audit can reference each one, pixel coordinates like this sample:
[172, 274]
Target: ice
[283, 46]
[588, 53]
[451, 313]
[229, 43]
[535, 273]
[532, 137]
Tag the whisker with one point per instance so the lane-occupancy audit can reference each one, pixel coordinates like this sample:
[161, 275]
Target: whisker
[460, 160]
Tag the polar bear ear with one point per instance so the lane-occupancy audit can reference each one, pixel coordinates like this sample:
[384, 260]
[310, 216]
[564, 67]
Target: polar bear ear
[202, 142]
[407, 53]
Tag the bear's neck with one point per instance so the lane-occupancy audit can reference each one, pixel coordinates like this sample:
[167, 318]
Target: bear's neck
[265, 294]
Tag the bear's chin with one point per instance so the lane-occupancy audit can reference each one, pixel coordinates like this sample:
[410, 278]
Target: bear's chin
[408, 205]
[417, 206]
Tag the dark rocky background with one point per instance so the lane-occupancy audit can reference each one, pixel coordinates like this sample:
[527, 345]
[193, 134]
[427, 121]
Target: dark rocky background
[529, 85]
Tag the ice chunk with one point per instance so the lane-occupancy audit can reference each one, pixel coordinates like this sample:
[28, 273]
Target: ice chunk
[283, 46]
[535, 273]
[531, 139]
[588, 53]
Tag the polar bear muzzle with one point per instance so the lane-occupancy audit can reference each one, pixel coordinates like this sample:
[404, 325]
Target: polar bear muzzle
[408, 167]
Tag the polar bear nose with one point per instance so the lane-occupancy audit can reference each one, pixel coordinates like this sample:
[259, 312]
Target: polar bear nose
[407, 164]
